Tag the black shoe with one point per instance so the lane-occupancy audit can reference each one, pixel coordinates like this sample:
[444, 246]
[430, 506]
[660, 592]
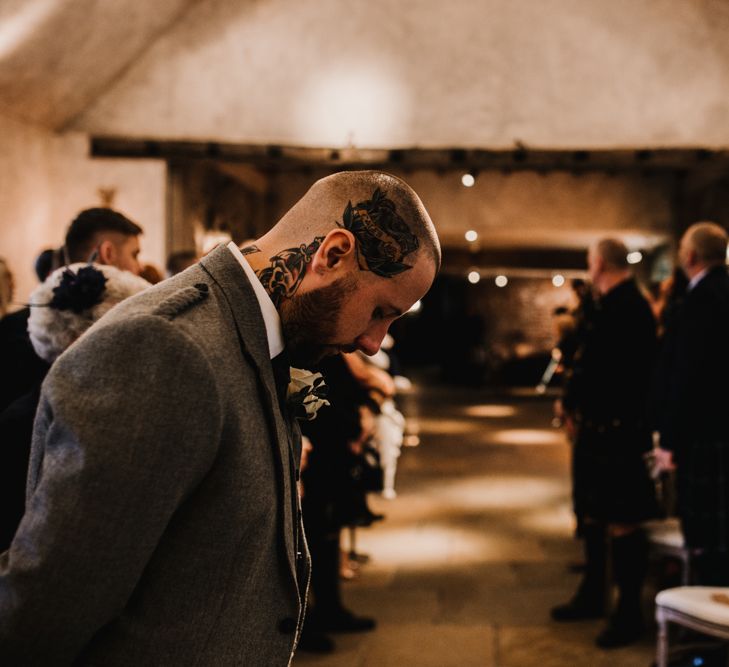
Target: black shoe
[619, 633]
[577, 610]
[315, 642]
[344, 621]
[589, 600]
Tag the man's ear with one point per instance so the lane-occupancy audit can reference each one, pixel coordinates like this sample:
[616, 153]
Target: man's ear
[336, 252]
[107, 253]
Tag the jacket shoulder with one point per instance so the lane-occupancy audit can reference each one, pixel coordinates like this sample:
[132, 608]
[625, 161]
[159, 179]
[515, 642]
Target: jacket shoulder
[182, 300]
[709, 298]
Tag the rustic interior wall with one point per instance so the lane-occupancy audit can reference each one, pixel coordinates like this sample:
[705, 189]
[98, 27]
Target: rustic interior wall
[207, 198]
[518, 317]
[25, 201]
[46, 179]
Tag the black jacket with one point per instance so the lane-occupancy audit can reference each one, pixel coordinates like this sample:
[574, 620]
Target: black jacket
[695, 366]
[21, 369]
[612, 371]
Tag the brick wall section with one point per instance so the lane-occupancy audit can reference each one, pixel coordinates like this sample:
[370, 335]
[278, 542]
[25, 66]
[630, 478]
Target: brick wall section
[519, 316]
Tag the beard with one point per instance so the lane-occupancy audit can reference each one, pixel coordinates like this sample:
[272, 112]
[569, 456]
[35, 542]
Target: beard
[310, 322]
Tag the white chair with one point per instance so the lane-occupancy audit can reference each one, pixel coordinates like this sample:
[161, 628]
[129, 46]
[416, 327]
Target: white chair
[692, 607]
[665, 538]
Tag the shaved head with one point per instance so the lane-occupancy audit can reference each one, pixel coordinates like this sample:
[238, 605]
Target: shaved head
[385, 214]
[349, 258]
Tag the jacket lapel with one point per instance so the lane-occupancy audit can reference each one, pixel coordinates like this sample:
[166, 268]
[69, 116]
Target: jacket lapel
[237, 291]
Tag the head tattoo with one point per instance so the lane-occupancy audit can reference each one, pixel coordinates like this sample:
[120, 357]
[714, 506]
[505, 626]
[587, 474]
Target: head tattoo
[383, 237]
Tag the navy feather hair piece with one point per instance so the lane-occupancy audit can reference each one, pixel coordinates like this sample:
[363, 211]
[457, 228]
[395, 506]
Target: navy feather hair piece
[79, 291]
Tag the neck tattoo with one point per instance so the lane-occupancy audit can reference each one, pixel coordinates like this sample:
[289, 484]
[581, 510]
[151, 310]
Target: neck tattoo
[284, 276]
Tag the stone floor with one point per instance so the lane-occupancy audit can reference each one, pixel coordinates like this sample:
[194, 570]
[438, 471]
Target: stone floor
[475, 549]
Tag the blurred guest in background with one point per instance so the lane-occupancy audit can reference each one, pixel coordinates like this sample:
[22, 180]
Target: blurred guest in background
[151, 274]
[47, 262]
[581, 315]
[7, 288]
[22, 369]
[178, 261]
[606, 399]
[573, 327]
[565, 328]
[107, 235]
[62, 308]
[110, 236]
[667, 302]
[694, 374]
[382, 374]
[328, 503]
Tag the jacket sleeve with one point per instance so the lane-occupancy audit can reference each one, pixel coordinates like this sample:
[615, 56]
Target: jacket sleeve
[127, 427]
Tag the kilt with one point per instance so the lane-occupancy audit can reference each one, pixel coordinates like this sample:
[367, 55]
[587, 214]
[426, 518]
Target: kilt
[702, 477]
[611, 481]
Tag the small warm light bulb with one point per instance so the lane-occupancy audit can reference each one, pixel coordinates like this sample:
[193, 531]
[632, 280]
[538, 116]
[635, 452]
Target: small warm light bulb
[468, 180]
[635, 257]
[501, 281]
[558, 280]
[415, 307]
[471, 235]
[474, 277]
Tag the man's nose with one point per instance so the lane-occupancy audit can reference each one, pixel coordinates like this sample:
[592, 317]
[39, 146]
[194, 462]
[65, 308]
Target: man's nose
[370, 341]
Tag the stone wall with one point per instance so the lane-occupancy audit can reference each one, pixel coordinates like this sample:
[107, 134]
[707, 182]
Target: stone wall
[518, 317]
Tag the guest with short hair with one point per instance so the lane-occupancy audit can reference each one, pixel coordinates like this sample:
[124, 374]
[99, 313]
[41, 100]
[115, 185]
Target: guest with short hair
[693, 424]
[607, 399]
[106, 236]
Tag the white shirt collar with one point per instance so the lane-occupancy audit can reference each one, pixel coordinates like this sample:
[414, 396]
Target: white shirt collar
[271, 318]
[697, 279]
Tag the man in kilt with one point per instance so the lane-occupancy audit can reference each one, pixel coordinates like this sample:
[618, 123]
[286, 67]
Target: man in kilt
[606, 399]
[694, 423]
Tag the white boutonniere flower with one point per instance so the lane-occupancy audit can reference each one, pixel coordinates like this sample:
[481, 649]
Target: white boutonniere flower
[307, 393]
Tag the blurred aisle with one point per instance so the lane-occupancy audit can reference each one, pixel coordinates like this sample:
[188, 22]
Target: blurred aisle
[474, 550]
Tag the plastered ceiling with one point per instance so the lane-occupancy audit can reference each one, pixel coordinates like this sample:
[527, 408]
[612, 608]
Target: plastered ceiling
[373, 73]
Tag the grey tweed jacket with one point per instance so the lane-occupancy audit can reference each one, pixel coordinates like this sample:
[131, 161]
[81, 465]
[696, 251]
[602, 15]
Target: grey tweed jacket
[162, 523]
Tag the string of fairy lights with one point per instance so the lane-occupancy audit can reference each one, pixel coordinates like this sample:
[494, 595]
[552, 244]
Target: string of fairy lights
[474, 276]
